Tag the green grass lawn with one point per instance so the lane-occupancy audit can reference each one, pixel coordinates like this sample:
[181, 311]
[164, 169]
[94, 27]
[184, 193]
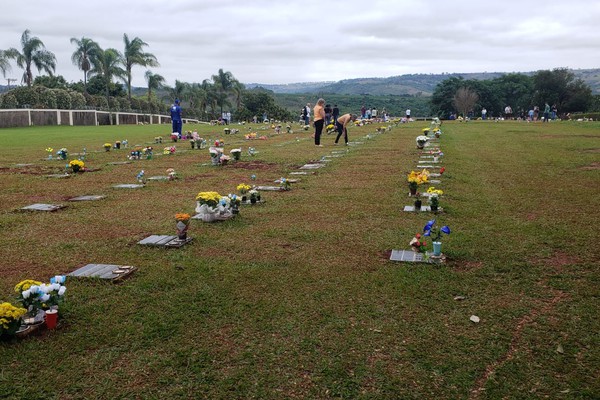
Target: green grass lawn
[296, 298]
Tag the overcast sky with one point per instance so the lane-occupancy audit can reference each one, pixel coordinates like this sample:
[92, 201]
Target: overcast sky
[269, 41]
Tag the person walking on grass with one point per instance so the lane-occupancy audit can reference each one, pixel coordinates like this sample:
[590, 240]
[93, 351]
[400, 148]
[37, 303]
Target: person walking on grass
[546, 112]
[341, 126]
[319, 120]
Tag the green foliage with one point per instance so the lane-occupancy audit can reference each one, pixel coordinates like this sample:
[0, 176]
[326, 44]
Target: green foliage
[51, 82]
[124, 104]
[63, 99]
[97, 85]
[257, 102]
[46, 98]
[561, 87]
[78, 100]
[99, 102]
[113, 103]
[9, 101]
[26, 96]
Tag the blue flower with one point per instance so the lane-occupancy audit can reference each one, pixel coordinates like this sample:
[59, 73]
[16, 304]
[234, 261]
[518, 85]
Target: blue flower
[446, 229]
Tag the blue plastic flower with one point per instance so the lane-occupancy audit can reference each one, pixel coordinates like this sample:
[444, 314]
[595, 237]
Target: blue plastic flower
[445, 229]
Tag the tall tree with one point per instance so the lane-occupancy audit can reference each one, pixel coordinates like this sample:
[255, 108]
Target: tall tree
[33, 52]
[560, 87]
[4, 62]
[86, 49]
[464, 100]
[134, 55]
[155, 82]
[107, 64]
[224, 82]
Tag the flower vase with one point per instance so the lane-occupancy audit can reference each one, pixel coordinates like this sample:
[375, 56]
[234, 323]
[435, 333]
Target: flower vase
[192, 143]
[51, 318]
[182, 229]
[437, 249]
[418, 204]
[235, 209]
[437, 134]
[252, 200]
[236, 155]
[118, 145]
[214, 159]
[433, 208]
[224, 161]
[244, 199]
[413, 190]
[75, 168]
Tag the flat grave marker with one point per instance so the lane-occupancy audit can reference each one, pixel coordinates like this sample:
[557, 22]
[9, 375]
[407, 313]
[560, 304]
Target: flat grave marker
[289, 180]
[120, 162]
[168, 241]
[312, 166]
[43, 207]
[414, 257]
[25, 165]
[88, 198]
[103, 271]
[158, 178]
[299, 173]
[423, 209]
[58, 176]
[128, 186]
[270, 188]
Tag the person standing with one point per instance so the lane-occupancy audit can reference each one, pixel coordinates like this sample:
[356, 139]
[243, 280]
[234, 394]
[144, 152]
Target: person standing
[327, 114]
[408, 115]
[546, 112]
[176, 118]
[335, 113]
[483, 113]
[341, 126]
[319, 120]
[554, 111]
[363, 112]
[307, 115]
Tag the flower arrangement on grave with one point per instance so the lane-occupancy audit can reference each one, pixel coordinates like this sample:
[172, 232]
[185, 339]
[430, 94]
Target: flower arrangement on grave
[49, 150]
[442, 170]
[107, 146]
[174, 136]
[284, 183]
[10, 318]
[434, 201]
[243, 189]
[169, 150]
[433, 191]
[436, 235]
[250, 136]
[118, 144]
[158, 139]
[148, 151]
[224, 159]
[182, 225]
[124, 143]
[226, 131]
[288, 129]
[236, 154]
[330, 128]
[415, 179]
[62, 153]
[211, 199]
[206, 205]
[219, 143]
[234, 201]
[31, 297]
[141, 177]
[135, 154]
[425, 131]
[437, 132]
[421, 141]
[77, 165]
[171, 174]
[56, 290]
[254, 196]
[417, 245]
[305, 127]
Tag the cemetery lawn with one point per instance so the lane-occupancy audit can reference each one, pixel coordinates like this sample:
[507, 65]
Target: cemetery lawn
[296, 298]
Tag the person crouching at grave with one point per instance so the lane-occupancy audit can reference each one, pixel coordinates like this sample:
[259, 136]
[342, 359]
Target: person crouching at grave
[341, 126]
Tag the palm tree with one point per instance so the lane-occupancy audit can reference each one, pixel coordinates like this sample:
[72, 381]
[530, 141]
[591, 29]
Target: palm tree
[34, 52]
[107, 64]
[238, 90]
[86, 50]
[4, 63]
[134, 55]
[178, 91]
[223, 83]
[155, 81]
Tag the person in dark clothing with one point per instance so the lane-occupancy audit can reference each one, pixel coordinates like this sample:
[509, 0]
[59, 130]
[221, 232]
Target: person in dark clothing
[176, 118]
[335, 113]
[327, 114]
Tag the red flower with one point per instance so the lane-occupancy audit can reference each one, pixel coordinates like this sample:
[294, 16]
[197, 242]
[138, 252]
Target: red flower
[418, 236]
[442, 170]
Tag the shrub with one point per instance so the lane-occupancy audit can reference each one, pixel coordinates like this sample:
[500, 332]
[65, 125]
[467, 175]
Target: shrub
[9, 101]
[113, 102]
[63, 99]
[25, 96]
[78, 100]
[47, 98]
[100, 102]
[124, 104]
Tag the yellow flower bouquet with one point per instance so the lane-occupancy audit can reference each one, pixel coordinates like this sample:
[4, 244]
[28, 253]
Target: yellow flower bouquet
[211, 199]
[10, 318]
[76, 165]
[417, 178]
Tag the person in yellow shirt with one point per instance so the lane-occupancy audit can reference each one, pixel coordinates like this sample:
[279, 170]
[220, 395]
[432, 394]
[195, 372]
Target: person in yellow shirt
[319, 120]
[341, 126]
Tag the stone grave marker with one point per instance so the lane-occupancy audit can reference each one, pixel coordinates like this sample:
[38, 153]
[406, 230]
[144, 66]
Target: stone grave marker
[103, 271]
[158, 178]
[299, 173]
[120, 162]
[423, 209]
[87, 198]
[435, 181]
[43, 207]
[407, 256]
[168, 241]
[128, 186]
[59, 176]
[270, 188]
[25, 165]
[289, 180]
[312, 166]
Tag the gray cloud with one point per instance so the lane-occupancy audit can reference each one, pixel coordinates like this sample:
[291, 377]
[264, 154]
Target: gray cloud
[282, 42]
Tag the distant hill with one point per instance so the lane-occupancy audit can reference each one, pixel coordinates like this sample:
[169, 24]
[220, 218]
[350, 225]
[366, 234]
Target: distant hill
[413, 84]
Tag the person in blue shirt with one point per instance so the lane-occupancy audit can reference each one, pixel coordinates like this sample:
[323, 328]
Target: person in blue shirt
[176, 117]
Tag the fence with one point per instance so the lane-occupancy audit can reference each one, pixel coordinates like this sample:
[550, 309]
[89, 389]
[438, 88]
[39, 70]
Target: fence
[30, 117]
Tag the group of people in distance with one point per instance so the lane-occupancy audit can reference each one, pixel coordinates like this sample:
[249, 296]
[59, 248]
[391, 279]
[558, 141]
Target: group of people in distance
[324, 114]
